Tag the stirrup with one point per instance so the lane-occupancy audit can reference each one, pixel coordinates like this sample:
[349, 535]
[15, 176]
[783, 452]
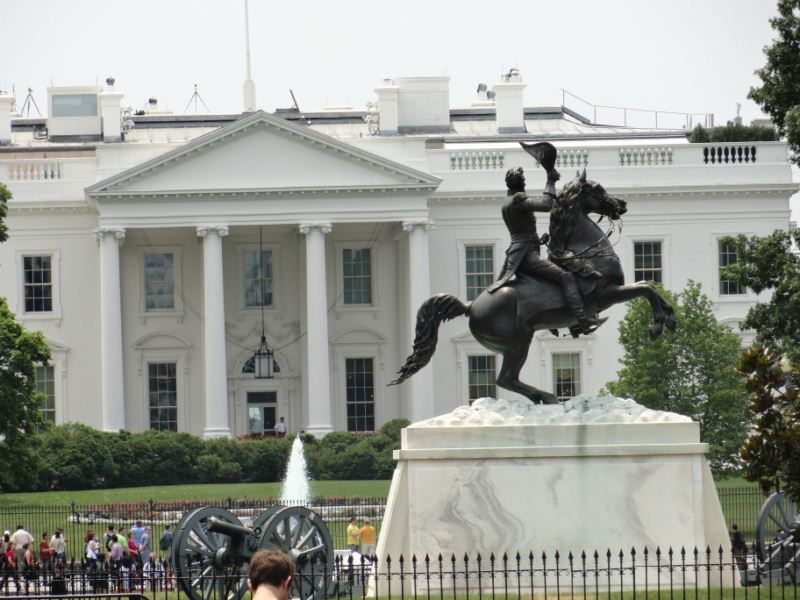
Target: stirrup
[591, 325]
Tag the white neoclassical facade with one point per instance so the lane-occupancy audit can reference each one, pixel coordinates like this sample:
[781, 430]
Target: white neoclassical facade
[147, 256]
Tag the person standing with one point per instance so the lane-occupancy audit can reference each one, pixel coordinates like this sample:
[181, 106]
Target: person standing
[367, 536]
[29, 571]
[58, 544]
[280, 428]
[270, 575]
[146, 546]
[137, 531]
[738, 547]
[21, 536]
[45, 555]
[353, 534]
[9, 567]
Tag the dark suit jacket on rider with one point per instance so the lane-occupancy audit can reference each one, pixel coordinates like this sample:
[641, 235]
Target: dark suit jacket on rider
[519, 217]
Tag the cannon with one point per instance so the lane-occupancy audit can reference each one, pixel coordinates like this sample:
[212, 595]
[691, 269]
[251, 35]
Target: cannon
[777, 543]
[211, 550]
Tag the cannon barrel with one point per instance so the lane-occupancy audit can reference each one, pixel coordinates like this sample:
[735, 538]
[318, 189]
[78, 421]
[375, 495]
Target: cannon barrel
[220, 526]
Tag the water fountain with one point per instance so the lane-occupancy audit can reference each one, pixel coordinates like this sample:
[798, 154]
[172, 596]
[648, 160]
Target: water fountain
[295, 484]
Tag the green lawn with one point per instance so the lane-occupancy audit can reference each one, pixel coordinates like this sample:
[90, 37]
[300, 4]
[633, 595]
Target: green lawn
[209, 492]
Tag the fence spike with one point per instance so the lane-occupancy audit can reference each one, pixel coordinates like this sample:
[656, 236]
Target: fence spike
[683, 552]
[427, 559]
[530, 555]
[708, 551]
[491, 557]
[583, 554]
[646, 551]
[505, 557]
[414, 560]
[608, 554]
[544, 556]
[671, 553]
[621, 554]
[596, 554]
[479, 558]
[402, 560]
[658, 551]
[633, 551]
[557, 555]
[569, 556]
[696, 553]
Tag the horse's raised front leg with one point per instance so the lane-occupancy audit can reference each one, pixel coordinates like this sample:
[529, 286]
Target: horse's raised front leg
[663, 313]
[513, 359]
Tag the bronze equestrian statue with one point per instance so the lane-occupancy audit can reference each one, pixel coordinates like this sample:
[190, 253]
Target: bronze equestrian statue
[532, 293]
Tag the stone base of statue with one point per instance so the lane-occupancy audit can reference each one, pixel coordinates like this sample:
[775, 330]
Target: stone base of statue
[592, 474]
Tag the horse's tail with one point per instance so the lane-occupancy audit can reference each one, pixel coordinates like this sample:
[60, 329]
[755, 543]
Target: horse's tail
[433, 312]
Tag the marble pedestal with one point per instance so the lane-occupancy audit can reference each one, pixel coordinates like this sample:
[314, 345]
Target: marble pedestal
[546, 487]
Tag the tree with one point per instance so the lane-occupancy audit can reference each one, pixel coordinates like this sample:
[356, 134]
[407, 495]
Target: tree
[779, 94]
[691, 371]
[19, 401]
[772, 452]
[771, 263]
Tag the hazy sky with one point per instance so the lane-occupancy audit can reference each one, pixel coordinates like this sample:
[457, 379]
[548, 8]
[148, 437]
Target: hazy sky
[677, 55]
[672, 55]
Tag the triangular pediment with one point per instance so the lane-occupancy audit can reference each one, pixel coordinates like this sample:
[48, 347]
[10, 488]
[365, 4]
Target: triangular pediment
[262, 152]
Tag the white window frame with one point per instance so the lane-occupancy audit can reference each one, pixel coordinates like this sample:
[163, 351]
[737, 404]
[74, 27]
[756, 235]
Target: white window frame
[161, 348]
[747, 295]
[496, 369]
[177, 386]
[177, 283]
[357, 344]
[276, 308]
[547, 345]
[461, 249]
[55, 279]
[581, 374]
[665, 249]
[467, 346]
[339, 248]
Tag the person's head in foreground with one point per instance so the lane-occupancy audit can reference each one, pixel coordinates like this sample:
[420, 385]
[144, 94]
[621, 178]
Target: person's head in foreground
[270, 575]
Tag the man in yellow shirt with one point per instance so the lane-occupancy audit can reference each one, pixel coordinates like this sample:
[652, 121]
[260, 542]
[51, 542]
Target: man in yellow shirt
[367, 538]
[353, 533]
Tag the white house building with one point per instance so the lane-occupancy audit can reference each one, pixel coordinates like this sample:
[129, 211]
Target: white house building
[147, 255]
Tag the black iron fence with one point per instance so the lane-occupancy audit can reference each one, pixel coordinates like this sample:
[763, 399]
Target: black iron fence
[76, 519]
[741, 506]
[609, 574]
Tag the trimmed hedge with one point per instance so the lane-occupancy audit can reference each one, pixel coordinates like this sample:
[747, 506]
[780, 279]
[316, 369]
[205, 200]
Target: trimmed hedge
[77, 457]
[733, 133]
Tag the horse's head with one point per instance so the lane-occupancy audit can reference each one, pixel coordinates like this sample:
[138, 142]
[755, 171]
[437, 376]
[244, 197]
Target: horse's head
[593, 198]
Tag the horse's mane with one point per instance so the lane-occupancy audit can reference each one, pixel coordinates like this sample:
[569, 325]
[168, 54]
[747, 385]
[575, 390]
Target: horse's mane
[563, 215]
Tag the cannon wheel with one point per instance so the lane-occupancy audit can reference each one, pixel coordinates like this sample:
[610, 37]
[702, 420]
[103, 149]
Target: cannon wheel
[301, 534]
[204, 570]
[775, 522]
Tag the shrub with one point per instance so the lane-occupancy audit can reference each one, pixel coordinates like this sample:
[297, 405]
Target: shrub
[733, 133]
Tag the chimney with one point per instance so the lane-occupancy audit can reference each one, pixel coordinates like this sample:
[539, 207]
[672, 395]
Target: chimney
[509, 103]
[111, 113]
[6, 102]
[388, 107]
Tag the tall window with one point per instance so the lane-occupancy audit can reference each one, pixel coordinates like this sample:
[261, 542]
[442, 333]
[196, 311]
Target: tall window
[159, 281]
[727, 256]
[479, 269]
[257, 278]
[647, 261]
[360, 390]
[482, 376]
[163, 396]
[357, 271]
[566, 374]
[38, 282]
[44, 377]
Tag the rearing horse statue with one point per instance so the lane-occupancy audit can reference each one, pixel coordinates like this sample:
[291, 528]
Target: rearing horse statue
[504, 321]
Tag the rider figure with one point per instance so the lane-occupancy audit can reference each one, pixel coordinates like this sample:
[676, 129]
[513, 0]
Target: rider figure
[523, 254]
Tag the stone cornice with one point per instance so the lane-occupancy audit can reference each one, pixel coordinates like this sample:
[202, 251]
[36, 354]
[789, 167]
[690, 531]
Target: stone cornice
[776, 190]
[261, 192]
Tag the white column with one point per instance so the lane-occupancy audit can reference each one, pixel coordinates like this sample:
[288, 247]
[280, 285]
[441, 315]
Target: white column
[419, 290]
[318, 408]
[111, 368]
[214, 360]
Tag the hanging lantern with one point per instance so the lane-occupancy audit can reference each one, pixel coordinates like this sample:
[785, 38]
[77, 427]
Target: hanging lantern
[264, 365]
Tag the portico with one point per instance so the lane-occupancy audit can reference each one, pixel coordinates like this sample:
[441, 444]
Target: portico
[303, 188]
